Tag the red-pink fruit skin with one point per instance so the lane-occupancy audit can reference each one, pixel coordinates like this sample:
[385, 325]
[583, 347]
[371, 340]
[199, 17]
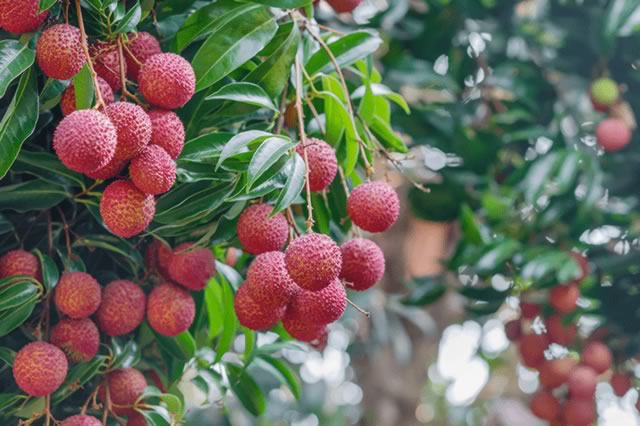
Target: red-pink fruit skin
[582, 382]
[558, 332]
[268, 281]
[77, 295]
[81, 420]
[597, 356]
[563, 298]
[122, 309]
[106, 62]
[68, 99]
[125, 210]
[513, 330]
[133, 127]
[167, 131]
[532, 347]
[323, 164]
[20, 262]
[21, 17]
[254, 315]
[157, 258]
[126, 385]
[613, 134]
[112, 169]
[153, 171]
[555, 372]
[373, 206]
[621, 383]
[59, 52]
[362, 263]
[141, 47]
[258, 233]
[170, 309]
[167, 80]
[192, 268]
[79, 339]
[40, 368]
[313, 261]
[136, 419]
[545, 406]
[578, 412]
[319, 307]
[344, 6]
[302, 330]
[85, 140]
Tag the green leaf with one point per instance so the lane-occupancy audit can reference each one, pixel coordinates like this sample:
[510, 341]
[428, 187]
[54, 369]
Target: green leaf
[386, 135]
[181, 347]
[47, 166]
[347, 50]
[470, 229]
[50, 273]
[46, 5]
[19, 120]
[15, 58]
[31, 195]
[284, 4]
[485, 294]
[246, 389]
[267, 154]
[77, 377]
[247, 93]
[7, 355]
[83, 88]
[384, 91]
[129, 22]
[17, 294]
[496, 256]
[14, 318]
[295, 171]
[284, 373]
[249, 345]
[239, 142]
[425, 291]
[10, 400]
[229, 320]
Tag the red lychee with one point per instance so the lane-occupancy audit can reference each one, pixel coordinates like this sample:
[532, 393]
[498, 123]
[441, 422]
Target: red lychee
[20, 262]
[167, 131]
[136, 419]
[157, 258]
[513, 330]
[303, 330]
[141, 47]
[258, 233]
[563, 298]
[529, 310]
[319, 307]
[621, 383]
[170, 309]
[153, 171]
[344, 6]
[59, 52]
[167, 80]
[112, 169]
[192, 268]
[254, 315]
[39, 368]
[558, 332]
[532, 347]
[21, 16]
[68, 100]
[77, 295]
[85, 140]
[268, 281]
[362, 263]
[106, 62]
[81, 420]
[578, 412]
[313, 261]
[545, 406]
[122, 308]
[613, 134]
[323, 164]
[125, 210]
[133, 127]
[582, 382]
[597, 356]
[373, 206]
[79, 339]
[125, 386]
[555, 372]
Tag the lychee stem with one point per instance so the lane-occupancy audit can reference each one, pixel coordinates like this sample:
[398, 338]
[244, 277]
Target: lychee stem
[47, 410]
[85, 46]
[282, 109]
[358, 308]
[123, 77]
[292, 222]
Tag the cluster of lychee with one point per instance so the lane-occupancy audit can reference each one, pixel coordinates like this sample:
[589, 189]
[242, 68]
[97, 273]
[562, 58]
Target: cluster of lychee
[568, 382]
[613, 133]
[305, 285]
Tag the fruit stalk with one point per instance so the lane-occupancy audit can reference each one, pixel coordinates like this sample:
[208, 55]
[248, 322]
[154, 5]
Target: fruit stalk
[85, 46]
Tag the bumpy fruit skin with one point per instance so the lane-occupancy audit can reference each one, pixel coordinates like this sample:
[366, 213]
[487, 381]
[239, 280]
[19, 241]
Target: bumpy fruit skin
[167, 131]
[85, 140]
[597, 356]
[344, 6]
[621, 383]
[268, 281]
[122, 308]
[313, 261]
[20, 16]
[563, 298]
[79, 339]
[558, 332]
[59, 52]
[513, 330]
[258, 233]
[167, 80]
[319, 307]
[112, 169]
[157, 258]
[252, 314]
[133, 127]
[20, 262]
[578, 412]
[192, 269]
[613, 134]
[555, 372]
[582, 382]
[323, 164]
[302, 330]
[532, 347]
[170, 309]
[373, 206]
[39, 368]
[125, 210]
[106, 62]
[78, 295]
[136, 419]
[141, 47]
[545, 406]
[68, 100]
[362, 263]
[81, 420]
[604, 91]
[125, 387]
[153, 171]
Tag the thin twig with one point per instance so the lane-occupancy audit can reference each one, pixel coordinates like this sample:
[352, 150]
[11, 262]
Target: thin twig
[85, 46]
[282, 109]
[359, 309]
[123, 76]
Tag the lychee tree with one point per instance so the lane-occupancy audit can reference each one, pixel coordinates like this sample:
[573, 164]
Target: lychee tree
[149, 152]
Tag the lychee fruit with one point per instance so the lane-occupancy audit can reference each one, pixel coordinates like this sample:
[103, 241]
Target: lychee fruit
[133, 127]
[122, 308]
[157, 258]
[597, 356]
[613, 134]
[578, 412]
[125, 386]
[68, 99]
[85, 140]
[373, 206]
[555, 372]
[269, 282]
[81, 420]
[77, 294]
[106, 62]
[39, 368]
[141, 47]
[621, 383]
[532, 347]
[563, 298]
[258, 233]
[582, 382]
[79, 339]
[313, 261]
[153, 171]
[167, 131]
[529, 310]
[545, 406]
[323, 164]
[604, 91]
[192, 268]
[558, 332]
[20, 262]
[302, 330]
[21, 17]
[167, 80]
[362, 263]
[136, 419]
[112, 169]
[320, 343]
[252, 314]
[59, 52]
[513, 330]
[231, 258]
[170, 309]
[344, 6]
[319, 307]
[125, 210]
